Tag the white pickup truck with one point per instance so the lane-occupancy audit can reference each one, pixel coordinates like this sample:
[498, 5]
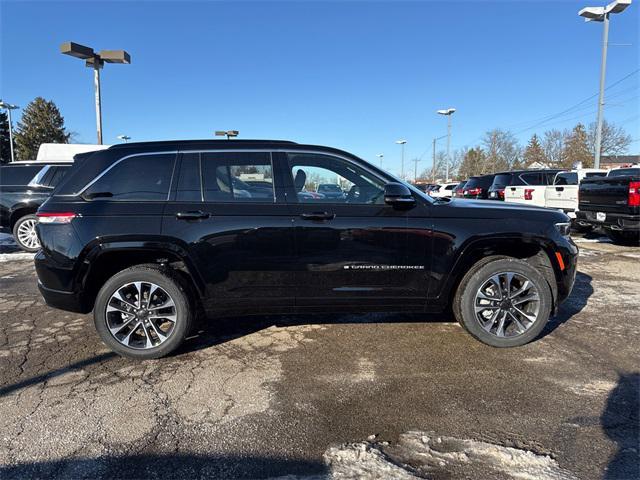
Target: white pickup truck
[534, 192]
[563, 194]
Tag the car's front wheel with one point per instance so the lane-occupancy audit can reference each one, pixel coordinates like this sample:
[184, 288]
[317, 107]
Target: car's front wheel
[24, 233]
[504, 303]
[143, 312]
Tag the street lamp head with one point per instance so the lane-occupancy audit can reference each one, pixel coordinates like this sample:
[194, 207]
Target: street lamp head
[124, 137]
[76, 50]
[447, 111]
[597, 14]
[227, 133]
[380, 155]
[8, 106]
[115, 56]
[401, 142]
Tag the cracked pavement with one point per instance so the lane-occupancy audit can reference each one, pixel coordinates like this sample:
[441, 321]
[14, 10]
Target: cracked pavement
[265, 397]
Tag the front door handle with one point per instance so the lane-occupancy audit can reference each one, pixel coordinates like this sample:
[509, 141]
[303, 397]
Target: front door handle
[197, 215]
[318, 216]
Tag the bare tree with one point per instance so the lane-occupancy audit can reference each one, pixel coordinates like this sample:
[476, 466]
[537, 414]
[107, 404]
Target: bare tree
[502, 150]
[553, 146]
[615, 140]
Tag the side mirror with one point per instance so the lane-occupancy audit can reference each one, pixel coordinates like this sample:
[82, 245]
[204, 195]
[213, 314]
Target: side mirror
[398, 195]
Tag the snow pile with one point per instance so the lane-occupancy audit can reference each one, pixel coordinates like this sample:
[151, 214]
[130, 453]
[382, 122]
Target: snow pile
[425, 455]
[7, 244]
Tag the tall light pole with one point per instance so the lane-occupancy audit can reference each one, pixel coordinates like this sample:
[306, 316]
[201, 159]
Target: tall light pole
[601, 14]
[227, 133]
[380, 156]
[415, 169]
[402, 143]
[8, 107]
[95, 61]
[124, 138]
[433, 168]
[448, 112]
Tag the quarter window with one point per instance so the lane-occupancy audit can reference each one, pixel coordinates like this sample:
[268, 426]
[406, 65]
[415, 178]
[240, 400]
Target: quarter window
[237, 177]
[321, 178]
[140, 178]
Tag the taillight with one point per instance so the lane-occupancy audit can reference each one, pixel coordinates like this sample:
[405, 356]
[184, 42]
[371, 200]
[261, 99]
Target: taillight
[528, 193]
[634, 194]
[501, 194]
[55, 217]
[474, 191]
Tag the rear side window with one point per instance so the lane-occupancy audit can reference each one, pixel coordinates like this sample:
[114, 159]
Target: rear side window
[18, 175]
[139, 178]
[566, 178]
[502, 180]
[532, 178]
[237, 177]
[620, 172]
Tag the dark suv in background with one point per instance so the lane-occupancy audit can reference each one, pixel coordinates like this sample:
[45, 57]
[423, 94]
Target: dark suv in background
[478, 187]
[148, 234]
[24, 186]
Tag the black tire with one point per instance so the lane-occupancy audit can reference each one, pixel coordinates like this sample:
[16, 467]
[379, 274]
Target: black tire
[464, 300]
[624, 238]
[171, 284]
[22, 221]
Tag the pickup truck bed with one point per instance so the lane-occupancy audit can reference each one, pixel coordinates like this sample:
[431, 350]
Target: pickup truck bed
[612, 202]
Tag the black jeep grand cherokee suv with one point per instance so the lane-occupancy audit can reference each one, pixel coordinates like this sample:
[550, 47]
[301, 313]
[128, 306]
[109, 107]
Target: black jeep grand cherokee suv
[147, 234]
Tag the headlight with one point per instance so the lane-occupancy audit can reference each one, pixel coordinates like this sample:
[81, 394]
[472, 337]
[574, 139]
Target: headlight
[564, 228]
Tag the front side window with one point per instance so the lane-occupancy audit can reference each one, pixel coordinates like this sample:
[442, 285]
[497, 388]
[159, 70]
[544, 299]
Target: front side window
[319, 178]
[237, 177]
[533, 178]
[138, 178]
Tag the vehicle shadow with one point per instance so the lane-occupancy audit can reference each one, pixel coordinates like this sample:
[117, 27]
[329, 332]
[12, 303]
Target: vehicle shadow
[621, 423]
[582, 290]
[168, 466]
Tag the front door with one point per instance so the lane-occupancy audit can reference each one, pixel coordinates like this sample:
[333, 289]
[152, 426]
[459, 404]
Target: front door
[352, 248]
[231, 217]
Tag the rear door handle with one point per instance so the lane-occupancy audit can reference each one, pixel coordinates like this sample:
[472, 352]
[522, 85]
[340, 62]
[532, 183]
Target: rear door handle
[318, 216]
[559, 189]
[197, 215]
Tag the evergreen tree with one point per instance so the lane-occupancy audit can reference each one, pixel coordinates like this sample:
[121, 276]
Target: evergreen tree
[473, 163]
[534, 152]
[5, 147]
[41, 123]
[576, 149]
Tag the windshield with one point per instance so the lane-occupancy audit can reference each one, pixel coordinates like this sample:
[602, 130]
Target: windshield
[621, 172]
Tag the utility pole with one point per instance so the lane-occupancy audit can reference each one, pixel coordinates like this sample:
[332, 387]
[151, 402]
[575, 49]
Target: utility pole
[415, 169]
[9, 107]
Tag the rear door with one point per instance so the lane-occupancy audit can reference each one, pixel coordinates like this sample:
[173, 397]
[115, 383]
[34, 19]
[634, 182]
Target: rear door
[563, 194]
[355, 250]
[228, 213]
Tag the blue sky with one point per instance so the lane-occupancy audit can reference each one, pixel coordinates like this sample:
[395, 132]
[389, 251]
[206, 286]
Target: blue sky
[356, 75]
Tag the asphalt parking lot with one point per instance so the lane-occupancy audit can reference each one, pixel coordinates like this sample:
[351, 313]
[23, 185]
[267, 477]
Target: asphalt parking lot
[369, 396]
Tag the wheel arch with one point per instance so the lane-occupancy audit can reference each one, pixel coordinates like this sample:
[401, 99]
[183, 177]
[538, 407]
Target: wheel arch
[103, 260]
[20, 211]
[536, 251]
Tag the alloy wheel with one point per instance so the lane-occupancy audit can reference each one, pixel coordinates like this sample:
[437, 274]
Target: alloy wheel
[141, 315]
[507, 304]
[26, 234]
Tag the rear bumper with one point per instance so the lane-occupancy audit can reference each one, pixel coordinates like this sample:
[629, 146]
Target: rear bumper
[69, 301]
[614, 221]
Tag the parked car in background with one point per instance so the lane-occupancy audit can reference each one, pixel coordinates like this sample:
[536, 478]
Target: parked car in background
[534, 188]
[563, 194]
[478, 187]
[443, 190]
[458, 189]
[503, 180]
[331, 190]
[24, 186]
[147, 234]
[612, 202]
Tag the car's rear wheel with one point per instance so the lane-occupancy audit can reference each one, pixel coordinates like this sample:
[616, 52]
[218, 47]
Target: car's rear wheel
[143, 312]
[24, 233]
[504, 303]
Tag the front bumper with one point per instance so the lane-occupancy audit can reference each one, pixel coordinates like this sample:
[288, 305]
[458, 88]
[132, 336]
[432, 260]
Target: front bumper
[615, 221]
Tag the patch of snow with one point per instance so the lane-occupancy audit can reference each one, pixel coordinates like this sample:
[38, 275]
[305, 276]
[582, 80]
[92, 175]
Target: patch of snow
[9, 257]
[425, 455]
[592, 240]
